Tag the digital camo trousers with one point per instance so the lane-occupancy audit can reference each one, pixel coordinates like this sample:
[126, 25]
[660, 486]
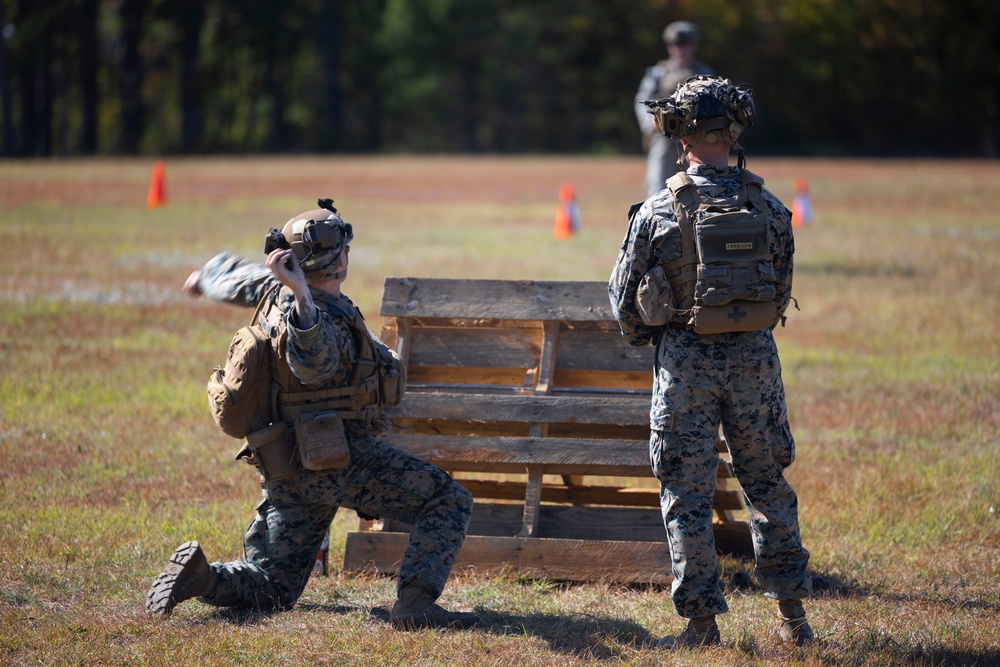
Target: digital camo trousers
[735, 380]
[281, 544]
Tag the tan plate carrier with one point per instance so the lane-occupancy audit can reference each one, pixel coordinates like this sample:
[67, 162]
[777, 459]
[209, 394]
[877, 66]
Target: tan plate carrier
[526, 392]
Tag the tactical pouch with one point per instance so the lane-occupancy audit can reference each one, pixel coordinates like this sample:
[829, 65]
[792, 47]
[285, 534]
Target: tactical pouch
[272, 450]
[392, 380]
[654, 298]
[321, 441]
[734, 316]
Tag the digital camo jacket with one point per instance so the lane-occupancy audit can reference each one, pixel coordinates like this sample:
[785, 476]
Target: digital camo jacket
[654, 236]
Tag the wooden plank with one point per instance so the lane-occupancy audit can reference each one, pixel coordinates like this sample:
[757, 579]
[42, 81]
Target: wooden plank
[594, 349]
[560, 456]
[453, 375]
[633, 381]
[531, 514]
[577, 493]
[519, 429]
[562, 560]
[476, 347]
[571, 408]
[558, 559]
[580, 494]
[585, 523]
[498, 299]
[511, 454]
[642, 524]
[580, 349]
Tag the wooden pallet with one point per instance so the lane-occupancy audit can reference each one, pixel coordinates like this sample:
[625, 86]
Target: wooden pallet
[528, 395]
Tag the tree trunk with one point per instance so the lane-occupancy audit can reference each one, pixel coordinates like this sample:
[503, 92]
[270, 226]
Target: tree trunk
[191, 19]
[330, 40]
[88, 76]
[7, 131]
[132, 109]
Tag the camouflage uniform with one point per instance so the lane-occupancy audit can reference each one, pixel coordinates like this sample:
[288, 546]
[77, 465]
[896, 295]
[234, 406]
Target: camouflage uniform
[281, 544]
[659, 81]
[701, 381]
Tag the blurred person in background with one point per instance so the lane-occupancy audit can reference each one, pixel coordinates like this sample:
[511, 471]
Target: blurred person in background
[682, 39]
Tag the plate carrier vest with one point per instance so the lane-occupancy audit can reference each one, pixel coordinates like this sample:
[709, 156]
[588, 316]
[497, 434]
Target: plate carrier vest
[724, 280]
[289, 397]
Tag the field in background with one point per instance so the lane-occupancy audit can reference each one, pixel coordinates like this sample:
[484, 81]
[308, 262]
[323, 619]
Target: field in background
[109, 459]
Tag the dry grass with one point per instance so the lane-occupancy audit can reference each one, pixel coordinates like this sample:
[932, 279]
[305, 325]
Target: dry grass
[108, 459]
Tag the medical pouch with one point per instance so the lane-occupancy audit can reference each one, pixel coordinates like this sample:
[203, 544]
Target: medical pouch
[321, 441]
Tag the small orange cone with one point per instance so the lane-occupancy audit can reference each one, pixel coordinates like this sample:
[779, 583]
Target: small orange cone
[567, 214]
[802, 211]
[157, 190]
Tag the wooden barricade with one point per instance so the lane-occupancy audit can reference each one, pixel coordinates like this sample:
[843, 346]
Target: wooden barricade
[526, 392]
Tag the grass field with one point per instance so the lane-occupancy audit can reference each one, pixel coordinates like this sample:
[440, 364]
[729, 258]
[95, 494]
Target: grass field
[109, 458]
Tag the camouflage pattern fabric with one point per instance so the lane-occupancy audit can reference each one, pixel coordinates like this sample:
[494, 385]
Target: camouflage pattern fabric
[700, 382]
[659, 81]
[281, 544]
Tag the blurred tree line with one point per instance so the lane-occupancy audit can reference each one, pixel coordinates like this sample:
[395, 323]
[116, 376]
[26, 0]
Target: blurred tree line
[831, 77]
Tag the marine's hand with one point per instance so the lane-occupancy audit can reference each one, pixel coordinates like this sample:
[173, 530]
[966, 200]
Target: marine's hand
[191, 287]
[286, 269]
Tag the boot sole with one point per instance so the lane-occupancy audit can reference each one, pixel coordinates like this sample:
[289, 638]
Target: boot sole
[161, 598]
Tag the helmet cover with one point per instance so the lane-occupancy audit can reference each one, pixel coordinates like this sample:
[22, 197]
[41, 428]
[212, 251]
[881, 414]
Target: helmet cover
[703, 103]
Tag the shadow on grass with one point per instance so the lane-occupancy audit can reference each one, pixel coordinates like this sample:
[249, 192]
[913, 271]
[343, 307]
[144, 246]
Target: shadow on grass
[873, 646]
[248, 617]
[580, 635]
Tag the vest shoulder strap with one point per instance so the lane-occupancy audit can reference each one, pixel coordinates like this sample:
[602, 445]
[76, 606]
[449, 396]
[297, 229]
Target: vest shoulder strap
[753, 187]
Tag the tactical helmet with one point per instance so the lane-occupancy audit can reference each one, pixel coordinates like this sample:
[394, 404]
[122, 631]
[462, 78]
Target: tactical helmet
[704, 103]
[317, 238]
[681, 32]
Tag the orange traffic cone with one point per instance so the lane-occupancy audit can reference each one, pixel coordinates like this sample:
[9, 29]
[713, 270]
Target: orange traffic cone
[802, 211]
[157, 190]
[567, 214]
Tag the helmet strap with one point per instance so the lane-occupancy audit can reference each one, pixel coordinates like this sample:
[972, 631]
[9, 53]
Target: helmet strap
[682, 155]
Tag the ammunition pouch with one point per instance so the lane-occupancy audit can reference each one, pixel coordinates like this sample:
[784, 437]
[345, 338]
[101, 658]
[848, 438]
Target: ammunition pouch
[272, 451]
[655, 298]
[392, 379]
[321, 441]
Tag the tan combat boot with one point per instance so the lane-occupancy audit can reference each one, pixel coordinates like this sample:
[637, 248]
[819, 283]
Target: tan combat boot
[187, 575]
[415, 609]
[701, 632]
[794, 627]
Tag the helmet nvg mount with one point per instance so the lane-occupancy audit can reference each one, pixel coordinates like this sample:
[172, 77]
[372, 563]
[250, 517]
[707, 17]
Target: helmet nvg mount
[702, 104]
[317, 237]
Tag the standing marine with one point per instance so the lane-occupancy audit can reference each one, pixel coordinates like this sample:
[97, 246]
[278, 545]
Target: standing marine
[323, 393]
[705, 274]
[681, 39]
